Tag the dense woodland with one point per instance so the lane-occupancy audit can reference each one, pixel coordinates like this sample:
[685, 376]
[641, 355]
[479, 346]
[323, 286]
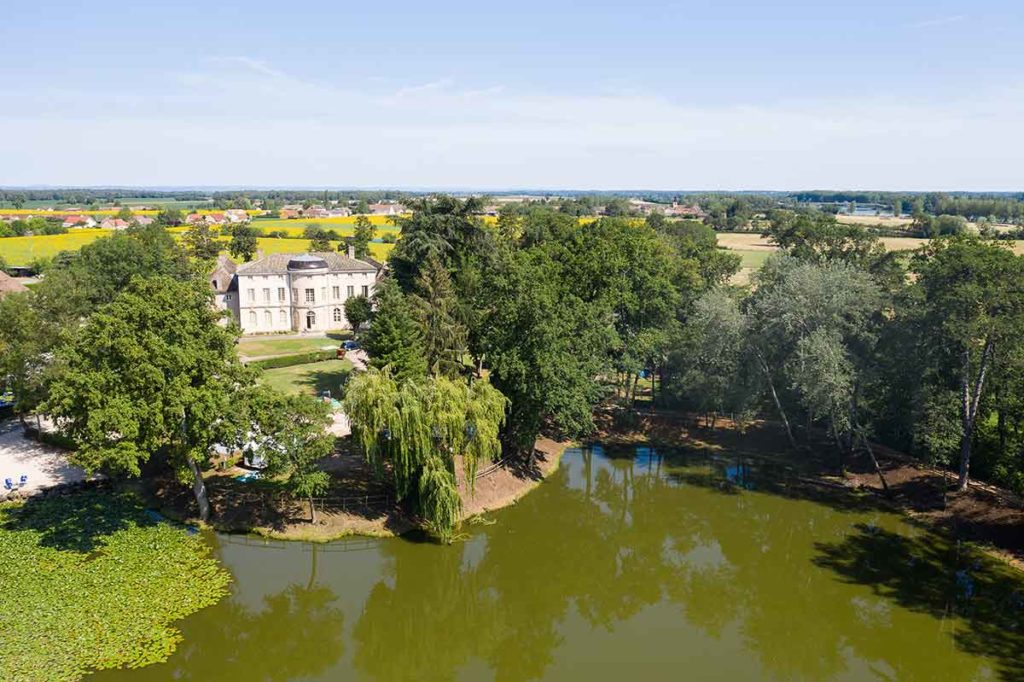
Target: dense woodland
[484, 336]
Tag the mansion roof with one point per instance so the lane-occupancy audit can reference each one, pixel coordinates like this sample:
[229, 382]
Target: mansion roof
[277, 264]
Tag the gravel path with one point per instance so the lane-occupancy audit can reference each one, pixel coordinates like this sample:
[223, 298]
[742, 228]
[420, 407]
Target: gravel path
[45, 465]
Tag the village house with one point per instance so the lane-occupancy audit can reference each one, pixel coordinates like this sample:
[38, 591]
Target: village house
[681, 211]
[236, 215]
[143, 220]
[287, 292]
[387, 209]
[114, 224]
[288, 213]
[78, 221]
[205, 219]
[315, 212]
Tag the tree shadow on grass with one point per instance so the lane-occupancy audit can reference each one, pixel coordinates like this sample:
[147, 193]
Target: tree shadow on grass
[79, 521]
[929, 573]
[329, 380]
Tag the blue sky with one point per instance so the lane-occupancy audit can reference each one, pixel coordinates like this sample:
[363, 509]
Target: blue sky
[903, 94]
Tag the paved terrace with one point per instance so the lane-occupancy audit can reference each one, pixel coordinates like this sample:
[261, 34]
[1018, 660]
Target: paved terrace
[45, 465]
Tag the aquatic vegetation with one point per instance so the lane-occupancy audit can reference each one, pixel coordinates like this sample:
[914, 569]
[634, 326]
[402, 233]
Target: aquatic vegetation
[97, 584]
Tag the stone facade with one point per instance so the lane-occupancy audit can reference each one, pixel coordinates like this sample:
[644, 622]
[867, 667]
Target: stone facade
[296, 292]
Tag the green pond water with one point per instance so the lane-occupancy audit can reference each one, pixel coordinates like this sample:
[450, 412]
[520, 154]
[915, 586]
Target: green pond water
[625, 564]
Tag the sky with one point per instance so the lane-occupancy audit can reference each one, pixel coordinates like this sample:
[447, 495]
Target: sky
[710, 95]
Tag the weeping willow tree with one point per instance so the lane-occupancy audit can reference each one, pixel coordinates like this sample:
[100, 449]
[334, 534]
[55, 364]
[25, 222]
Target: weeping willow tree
[419, 428]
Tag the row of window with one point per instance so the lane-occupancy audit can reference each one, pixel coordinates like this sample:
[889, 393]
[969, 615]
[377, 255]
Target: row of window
[268, 317]
[309, 294]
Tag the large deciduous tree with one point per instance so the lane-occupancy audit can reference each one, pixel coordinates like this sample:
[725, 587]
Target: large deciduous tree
[150, 373]
[972, 304]
[363, 235]
[289, 433]
[243, 242]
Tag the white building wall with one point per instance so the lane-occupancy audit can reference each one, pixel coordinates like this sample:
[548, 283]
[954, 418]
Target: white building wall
[290, 311]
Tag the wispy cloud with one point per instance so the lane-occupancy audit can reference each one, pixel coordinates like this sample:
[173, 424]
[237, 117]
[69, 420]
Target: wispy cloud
[433, 86]
[255, 65]
[440, 134]
[935, 22]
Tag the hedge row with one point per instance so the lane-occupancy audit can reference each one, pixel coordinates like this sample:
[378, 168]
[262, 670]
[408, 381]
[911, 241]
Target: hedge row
[297, 359]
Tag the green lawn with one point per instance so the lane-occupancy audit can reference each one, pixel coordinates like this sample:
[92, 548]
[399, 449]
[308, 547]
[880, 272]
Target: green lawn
[311, 379]
[753, 259]
[272, 346]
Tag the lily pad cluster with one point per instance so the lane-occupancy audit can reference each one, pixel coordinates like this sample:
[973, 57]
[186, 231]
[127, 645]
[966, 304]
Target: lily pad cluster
[99, 584]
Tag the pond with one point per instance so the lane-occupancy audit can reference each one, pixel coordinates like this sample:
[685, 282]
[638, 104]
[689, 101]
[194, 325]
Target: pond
[626, 563]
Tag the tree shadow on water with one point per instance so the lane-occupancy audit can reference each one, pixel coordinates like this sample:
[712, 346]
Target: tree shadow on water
[929, 573]
[78, 522]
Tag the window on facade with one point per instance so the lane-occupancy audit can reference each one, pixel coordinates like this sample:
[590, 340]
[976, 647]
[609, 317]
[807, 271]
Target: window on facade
[266, 295]
[310, 296]
[252, 295]
[366, 290]
[227, 298]
[282, 316]
[335, 293]
[268, 318]
[252, 317]
[323, 294]
[337, 314]
[350, 291]
[280, 294]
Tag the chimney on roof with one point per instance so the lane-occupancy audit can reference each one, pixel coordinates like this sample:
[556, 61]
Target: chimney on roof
[351, 251]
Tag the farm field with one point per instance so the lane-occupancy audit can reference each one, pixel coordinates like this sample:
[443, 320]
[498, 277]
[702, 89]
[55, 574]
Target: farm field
[753, 241]
[755, 249]
[311, 379]
[381, 222]
[24, 250]
[273, 346]
[884, 221]
[378, 250]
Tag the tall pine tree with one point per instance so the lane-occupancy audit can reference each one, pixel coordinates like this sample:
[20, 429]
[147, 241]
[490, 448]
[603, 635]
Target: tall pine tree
[394, 338]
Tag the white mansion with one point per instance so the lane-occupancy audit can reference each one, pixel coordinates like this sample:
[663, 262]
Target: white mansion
[287, 292]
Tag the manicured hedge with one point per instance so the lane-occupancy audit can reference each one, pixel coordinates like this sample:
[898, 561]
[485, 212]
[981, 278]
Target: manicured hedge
[297, 359]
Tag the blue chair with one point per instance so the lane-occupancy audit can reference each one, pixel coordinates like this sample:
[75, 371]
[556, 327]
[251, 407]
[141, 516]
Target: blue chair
[9, 484]
[23, 481]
